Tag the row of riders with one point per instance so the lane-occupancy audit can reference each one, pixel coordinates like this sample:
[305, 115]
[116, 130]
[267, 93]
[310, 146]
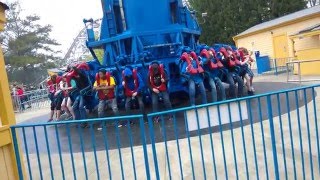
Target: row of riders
[72, 92]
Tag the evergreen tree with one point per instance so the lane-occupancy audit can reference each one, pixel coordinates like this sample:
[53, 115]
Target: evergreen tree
[280, 8]
[27, 47]
[227, 18]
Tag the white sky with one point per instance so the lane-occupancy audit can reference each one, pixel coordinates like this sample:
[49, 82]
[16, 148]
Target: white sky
[64, 15]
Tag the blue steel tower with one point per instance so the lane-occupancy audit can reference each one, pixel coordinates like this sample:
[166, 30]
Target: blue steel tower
[131, 28]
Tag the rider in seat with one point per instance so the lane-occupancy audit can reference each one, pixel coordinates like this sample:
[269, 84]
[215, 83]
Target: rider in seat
[133, 86]
[157, 83]
[192, 70]
[211, 66]
[105, 85]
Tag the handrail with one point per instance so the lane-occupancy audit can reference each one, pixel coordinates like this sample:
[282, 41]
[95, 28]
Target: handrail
[299, 70]
[168, 111]
[303, 61]
[79, 121]
[232, 100]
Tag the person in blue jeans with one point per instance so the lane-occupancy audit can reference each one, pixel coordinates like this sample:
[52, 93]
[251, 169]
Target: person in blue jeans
[157, 83]
[211, 67]
[192, 70]
[133, 86]
[78, 82]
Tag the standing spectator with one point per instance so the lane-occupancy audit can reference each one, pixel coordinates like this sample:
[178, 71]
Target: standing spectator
[157, 83]
[105, 85]
[21, 98]
[26, 95]
[14, 89]
[15, 98]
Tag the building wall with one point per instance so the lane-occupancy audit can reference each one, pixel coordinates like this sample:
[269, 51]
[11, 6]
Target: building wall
[263, 41]
[309, 68]
[311, 42]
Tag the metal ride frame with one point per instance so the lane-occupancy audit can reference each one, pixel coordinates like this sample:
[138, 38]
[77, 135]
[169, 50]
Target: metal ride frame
[126, 42]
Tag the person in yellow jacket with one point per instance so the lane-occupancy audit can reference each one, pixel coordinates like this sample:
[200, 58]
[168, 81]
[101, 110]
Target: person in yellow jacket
[105, 86]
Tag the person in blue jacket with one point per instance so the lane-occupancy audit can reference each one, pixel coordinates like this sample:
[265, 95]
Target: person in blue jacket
[133, 86]
[192, 70]
[212, 69]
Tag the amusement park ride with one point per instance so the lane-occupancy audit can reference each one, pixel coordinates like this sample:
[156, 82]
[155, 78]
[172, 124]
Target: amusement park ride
[137, 33]
[133, 33]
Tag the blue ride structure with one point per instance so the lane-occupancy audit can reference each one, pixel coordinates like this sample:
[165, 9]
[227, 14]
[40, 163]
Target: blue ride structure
[135, 33]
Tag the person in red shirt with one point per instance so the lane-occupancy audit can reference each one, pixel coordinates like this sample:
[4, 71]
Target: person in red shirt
[54, 96]
[157, 83]
[20, 94]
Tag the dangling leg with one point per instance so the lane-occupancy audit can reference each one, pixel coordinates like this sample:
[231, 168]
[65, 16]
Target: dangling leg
[213, 90]
[69, 106]
[220, 89]
[192, 92]
[232, 87]
[203, 93]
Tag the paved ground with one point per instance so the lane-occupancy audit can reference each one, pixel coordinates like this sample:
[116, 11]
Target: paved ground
[167, 131]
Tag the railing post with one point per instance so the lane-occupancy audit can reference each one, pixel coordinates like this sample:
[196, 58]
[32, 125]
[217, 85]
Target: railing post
[287, 64]
[275, 66]
[17, 152]
[144, 145]
[273, 139]
[153, 145]
[299, 72]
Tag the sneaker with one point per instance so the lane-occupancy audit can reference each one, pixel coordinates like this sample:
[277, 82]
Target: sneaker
[85, 125]
[252, 89]
[99, 128]
[123, 123]
[50, 120]
[156, 119]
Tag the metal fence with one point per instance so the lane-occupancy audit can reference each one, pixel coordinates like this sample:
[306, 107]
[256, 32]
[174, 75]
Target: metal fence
[294, 71]
[278, 65]
[267, 136]
[31, 100]
[266, 65]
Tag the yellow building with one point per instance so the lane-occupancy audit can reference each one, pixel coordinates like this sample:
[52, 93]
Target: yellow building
[294, 35]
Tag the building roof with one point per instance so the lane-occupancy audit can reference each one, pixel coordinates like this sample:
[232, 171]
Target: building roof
[281, 20]
[310, 29]
[5, 7]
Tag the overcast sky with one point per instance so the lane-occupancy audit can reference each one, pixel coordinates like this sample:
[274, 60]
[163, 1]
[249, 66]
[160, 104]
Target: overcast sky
[64, 15]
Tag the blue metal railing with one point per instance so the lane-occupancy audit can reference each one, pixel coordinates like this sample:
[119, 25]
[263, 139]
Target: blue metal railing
[268, 136]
